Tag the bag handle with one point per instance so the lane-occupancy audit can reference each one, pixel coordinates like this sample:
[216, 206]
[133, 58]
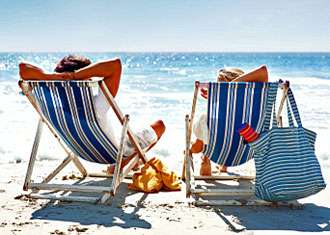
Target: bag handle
[291, 102]
[274, 115]
[289, 113]
[294, 107]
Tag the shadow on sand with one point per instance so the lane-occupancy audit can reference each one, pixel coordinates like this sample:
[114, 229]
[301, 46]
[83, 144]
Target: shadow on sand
[123, 209]
[308, 218]
[312, 218]
[116, 212]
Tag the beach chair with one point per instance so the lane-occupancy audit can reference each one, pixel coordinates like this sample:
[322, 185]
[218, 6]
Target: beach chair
[67, 108]
[228, 106]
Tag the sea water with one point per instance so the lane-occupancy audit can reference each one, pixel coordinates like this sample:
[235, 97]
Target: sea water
[160, 86]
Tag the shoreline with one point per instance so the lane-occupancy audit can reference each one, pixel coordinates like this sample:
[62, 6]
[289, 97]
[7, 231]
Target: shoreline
[140, 213]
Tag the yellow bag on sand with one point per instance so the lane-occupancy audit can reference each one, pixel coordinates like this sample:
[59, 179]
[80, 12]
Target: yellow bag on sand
[153, 177]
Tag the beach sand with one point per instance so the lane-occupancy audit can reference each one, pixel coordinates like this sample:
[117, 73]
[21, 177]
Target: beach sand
[132, 212]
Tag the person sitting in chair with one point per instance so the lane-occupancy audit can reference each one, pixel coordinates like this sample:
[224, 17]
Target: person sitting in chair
[200, 128]
[78, 68]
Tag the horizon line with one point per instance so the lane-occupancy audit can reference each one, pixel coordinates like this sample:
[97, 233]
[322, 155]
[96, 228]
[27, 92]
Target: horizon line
[164, 51]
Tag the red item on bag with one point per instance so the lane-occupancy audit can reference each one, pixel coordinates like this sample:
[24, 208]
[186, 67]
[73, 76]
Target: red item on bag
[246, 131]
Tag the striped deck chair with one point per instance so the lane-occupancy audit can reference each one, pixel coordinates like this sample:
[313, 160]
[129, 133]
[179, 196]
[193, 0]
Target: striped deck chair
[67, 108]
[229, 105]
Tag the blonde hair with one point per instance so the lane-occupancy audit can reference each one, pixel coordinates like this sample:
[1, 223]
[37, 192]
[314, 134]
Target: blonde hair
[229, 74]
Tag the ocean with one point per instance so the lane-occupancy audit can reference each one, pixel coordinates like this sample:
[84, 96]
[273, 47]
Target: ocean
[160, 86]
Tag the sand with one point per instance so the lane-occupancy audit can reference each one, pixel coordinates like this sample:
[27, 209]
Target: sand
[132, 212]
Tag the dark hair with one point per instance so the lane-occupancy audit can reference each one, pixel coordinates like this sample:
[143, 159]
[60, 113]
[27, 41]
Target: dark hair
[71, 63]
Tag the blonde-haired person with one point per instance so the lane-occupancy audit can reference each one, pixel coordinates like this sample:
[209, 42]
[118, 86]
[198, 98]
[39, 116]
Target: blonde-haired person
[200, 128]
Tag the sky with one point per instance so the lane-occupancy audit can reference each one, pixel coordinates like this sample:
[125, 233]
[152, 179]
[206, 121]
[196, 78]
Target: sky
[164, 25]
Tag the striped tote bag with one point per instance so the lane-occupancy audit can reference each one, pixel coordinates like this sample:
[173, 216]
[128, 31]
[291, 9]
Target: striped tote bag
[286, 165]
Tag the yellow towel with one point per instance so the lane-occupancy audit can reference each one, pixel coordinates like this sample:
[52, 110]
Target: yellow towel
[153, 177]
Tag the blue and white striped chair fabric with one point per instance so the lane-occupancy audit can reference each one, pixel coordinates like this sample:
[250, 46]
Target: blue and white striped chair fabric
[69, 108]
[230, 105]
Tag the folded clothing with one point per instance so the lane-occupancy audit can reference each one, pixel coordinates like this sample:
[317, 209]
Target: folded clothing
[153, 177]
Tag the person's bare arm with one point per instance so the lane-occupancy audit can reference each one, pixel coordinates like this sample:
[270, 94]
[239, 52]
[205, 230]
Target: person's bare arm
[110, 71]
[257, 75]
[31, 72]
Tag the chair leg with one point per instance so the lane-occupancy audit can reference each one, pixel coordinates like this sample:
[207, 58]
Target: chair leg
[33, 158]
[80, 167]
[190, 123]
[187, 159]
[116, 179]
[33, 155]
[65, 162]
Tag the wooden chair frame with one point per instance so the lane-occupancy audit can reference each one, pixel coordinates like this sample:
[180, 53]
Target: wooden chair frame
[118, 175]
[191, 179]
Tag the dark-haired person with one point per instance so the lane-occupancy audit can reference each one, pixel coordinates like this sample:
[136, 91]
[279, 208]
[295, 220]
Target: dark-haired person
[78, 68]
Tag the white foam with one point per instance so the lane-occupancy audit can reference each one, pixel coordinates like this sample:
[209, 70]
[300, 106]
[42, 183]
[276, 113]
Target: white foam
[307, 81]
[169, 69]
[18, 119]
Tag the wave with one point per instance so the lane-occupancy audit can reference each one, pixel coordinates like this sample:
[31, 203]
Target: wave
[160, 86]
[308, 81]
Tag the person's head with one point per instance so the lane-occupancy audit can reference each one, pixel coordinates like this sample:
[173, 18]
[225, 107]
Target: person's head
[71, 63]
[229, 74]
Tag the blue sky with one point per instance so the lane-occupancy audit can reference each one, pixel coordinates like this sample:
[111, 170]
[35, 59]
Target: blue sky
[141, 25]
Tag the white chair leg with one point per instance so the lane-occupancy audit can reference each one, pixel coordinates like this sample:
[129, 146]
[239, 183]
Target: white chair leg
[33, 155]
[187, 158]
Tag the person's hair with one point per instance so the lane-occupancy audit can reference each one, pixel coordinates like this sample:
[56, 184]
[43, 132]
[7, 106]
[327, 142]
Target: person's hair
[230, 73]
[71, 63]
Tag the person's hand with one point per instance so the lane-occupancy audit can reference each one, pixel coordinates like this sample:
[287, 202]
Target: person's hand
[70, 76]
[65, 76]
[204, 93]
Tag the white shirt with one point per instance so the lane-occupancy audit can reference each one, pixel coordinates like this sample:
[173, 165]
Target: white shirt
[102, 107]
[201, 130]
